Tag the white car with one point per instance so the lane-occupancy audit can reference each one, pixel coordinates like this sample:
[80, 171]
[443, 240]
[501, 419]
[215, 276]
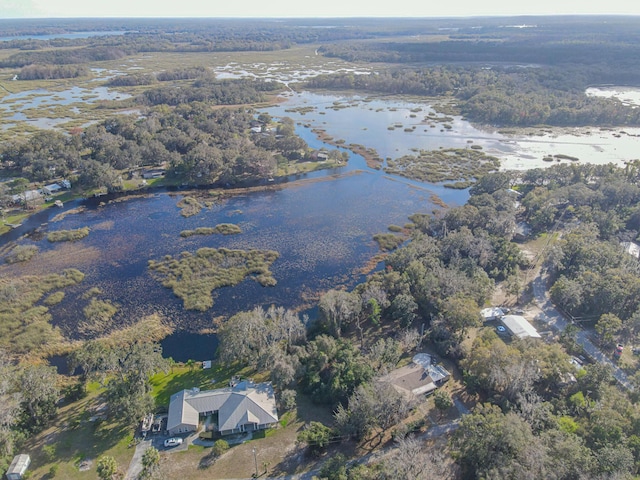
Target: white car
[172, 442]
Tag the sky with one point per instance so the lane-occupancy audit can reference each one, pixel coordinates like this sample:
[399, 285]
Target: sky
[306, 8]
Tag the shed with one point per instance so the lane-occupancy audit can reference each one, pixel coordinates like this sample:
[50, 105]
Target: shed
[51, 189]
[18, 467]
[491, 313]
[631, 248]
[519, 326]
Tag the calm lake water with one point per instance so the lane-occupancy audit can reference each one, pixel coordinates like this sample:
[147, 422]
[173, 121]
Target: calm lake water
[367, 121]
[320, 223]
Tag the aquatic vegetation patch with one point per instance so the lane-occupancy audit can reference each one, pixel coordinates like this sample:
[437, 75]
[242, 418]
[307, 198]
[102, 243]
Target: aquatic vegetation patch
[193, 277]
[24, 325]
[68, 235]
[54, 299]
[221, 228]
[98, 315]
[190, 206]
[21, 253]
[388, 241]
[451, 164]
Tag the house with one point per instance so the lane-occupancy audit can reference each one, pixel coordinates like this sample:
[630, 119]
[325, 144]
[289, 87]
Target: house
[491, 313]
[51, 189]
[27, 196]
[18, 467]
[631, 248]
[153, 173]
[244, 407]
[518, 326]
[421, 376]
[522, 232]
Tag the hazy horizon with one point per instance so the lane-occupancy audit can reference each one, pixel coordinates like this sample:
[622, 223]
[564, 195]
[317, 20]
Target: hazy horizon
[33, 9]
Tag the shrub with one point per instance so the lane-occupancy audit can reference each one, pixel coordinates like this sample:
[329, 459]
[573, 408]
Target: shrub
[22, 253]
[219, 447]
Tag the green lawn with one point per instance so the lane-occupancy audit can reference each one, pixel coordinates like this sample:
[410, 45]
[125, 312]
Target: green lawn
[182, 376]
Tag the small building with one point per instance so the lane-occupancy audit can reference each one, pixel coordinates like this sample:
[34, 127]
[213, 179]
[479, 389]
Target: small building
[18, 467]
[518, 326]
[28, 196]
[420, 377]
[631, 248]
[492, 313]
[244, 407]
[522, 232]
[153, 173]
[51, 189]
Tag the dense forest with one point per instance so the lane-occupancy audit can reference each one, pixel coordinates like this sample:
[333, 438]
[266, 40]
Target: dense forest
[197, 143]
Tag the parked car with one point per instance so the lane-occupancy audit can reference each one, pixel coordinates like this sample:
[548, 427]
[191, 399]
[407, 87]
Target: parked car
[619, 349]
[172, 442]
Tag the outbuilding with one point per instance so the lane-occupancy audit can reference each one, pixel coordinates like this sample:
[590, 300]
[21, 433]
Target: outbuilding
[18, 467]
[491, 313]
[51, 189]
[519, 327]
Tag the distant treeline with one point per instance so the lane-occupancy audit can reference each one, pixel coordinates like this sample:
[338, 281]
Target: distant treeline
[133, 80]
[49, 72]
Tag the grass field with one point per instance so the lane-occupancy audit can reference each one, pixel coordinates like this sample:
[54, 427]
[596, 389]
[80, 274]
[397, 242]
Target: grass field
[76, 440]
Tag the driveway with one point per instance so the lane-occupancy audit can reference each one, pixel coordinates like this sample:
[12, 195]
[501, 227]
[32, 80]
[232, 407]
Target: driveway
[552, 317]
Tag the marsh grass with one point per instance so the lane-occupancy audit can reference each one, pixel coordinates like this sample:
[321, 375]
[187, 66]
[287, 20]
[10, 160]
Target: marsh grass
[190, 206]
[459, 165]
[387, 241]
[21, 253]
[98, 315]
[54, 299]
[222, 229]
[193, 277]
[68, 235]
[24, 325]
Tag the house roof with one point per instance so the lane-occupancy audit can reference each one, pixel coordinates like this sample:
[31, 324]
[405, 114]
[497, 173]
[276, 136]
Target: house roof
[519, 326]
[418, 377]
[491, 313]
[244, 403]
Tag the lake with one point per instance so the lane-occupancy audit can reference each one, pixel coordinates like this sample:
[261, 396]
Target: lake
[321, 224]
[381, 123]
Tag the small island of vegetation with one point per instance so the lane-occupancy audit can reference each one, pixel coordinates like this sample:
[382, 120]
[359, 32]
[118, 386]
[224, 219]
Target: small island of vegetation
[222, 229]
[194, 277]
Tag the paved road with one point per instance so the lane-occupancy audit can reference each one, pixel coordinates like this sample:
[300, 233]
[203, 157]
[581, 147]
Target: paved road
[552, 317]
